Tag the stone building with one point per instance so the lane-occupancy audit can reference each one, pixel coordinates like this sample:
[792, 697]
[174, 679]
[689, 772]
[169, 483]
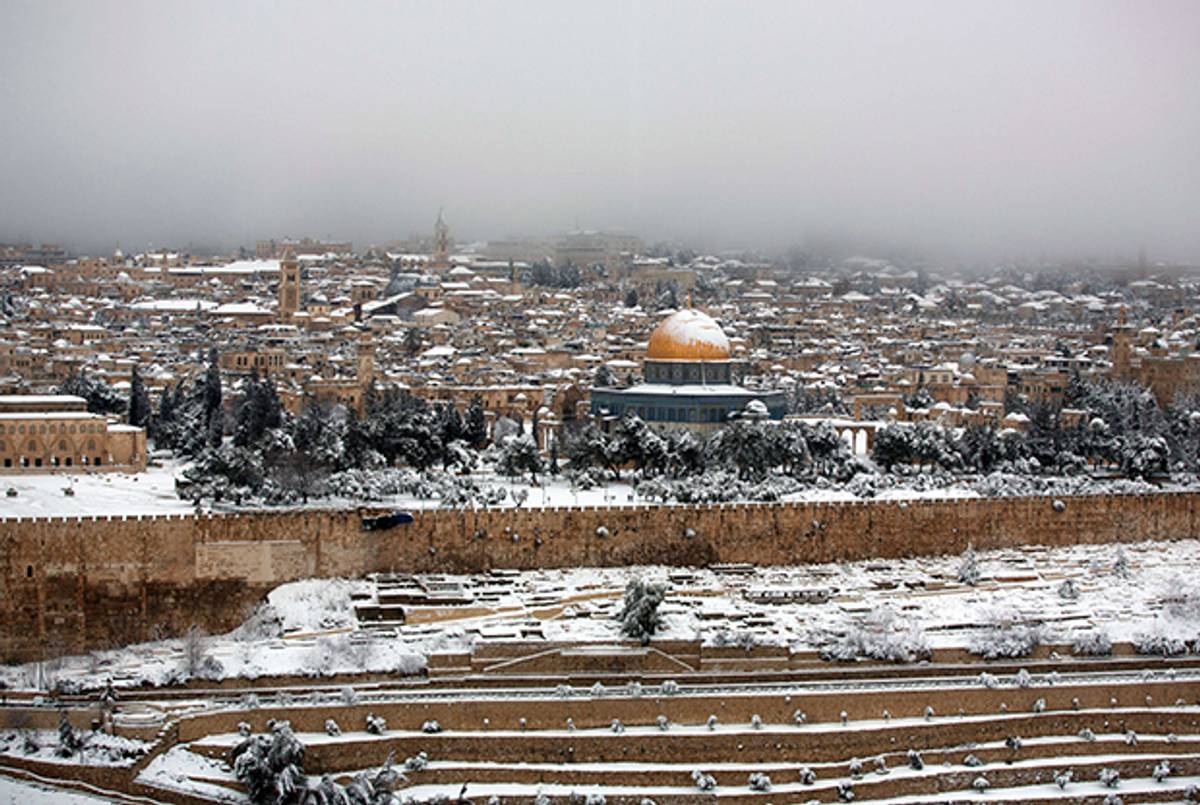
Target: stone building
[55, 433]
[688, 381]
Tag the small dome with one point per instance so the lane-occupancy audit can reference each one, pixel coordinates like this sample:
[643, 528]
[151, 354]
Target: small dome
[688, 335]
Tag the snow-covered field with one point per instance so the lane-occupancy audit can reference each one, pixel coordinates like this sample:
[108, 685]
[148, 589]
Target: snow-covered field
[98, 749]
[310, 628]
[153, 493]
[106, 493]
[22, 792]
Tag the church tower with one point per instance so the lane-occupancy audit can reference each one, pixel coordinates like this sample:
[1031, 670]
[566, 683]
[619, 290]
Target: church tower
[365, 356]
[441, 243]
[289, 285]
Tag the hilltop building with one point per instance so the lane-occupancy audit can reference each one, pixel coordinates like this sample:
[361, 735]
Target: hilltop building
[688, 381]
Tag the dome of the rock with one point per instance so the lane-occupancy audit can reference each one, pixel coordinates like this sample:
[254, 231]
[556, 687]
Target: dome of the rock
[688, 335]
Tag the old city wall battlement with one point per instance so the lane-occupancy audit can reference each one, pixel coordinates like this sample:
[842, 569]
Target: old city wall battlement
[73, 583]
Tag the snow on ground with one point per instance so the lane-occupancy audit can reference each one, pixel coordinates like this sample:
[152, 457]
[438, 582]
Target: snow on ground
[180, 769]
[309, 627]
[24, 792]
[153, 493]
[103, 493]
[99, 748]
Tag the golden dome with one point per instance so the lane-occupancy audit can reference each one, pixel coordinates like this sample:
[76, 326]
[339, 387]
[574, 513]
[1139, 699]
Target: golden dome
[688, 335]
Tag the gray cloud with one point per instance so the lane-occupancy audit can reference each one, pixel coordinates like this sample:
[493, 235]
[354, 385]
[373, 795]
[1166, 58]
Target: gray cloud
[967, 128]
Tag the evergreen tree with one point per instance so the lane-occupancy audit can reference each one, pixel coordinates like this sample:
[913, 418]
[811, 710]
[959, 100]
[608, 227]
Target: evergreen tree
[519, 455]
[968, 568]
[412, 340]
[139, 400]
[603, 377]
[250, 412]
[893, 445]
[450, 424]
[216, 429]
[631, 298]
[212, 387]
[69, 741]
[163, 427]
[101, 398]
[475, 423]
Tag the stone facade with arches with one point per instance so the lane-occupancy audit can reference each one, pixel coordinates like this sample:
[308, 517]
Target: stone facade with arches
[65, 438]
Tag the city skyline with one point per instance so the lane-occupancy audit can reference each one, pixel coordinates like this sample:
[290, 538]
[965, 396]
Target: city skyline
[961, 131]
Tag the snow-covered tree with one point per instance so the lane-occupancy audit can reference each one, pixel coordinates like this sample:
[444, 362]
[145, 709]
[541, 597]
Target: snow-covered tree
[69, 741]
[475, 423]
[520, 455]
[101, 397]
[270, 766]
[639, 616]
[968, 568]
[138, 411]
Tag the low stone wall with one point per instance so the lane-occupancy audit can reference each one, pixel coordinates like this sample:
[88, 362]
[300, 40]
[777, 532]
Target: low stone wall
[70, 584]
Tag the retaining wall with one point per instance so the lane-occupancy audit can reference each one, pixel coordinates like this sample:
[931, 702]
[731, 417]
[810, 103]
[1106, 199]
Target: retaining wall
[76, 583]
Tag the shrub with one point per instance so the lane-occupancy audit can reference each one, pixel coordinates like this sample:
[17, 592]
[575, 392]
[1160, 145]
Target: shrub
[376, 725]
[968, 568]
[1159, 642]
[705, 782]
[1094, 643]
[759, 782]
[1109, 777]
[270, 765]
[1007, 641]
[331, 728]
[639, 616]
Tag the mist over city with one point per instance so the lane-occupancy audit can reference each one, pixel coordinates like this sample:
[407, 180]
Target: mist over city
[599, 403]
[957, 131]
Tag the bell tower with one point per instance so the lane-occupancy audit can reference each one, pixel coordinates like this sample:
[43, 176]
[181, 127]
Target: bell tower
[441, 243]
[289, 285]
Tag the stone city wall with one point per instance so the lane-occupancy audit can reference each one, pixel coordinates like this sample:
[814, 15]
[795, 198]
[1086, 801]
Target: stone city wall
[75, 583]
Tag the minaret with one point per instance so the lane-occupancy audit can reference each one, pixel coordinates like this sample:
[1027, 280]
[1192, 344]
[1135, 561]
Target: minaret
[441, 243]
[1121, 351]
[365, 356]
[289, 285]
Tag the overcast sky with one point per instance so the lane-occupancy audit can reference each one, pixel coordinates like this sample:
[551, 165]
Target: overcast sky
[962, 128]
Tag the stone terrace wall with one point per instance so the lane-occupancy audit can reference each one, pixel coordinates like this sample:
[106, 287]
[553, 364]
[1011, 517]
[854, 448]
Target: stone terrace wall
[80, 583]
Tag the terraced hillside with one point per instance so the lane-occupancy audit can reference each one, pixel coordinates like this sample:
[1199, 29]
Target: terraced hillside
[1069, 731]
